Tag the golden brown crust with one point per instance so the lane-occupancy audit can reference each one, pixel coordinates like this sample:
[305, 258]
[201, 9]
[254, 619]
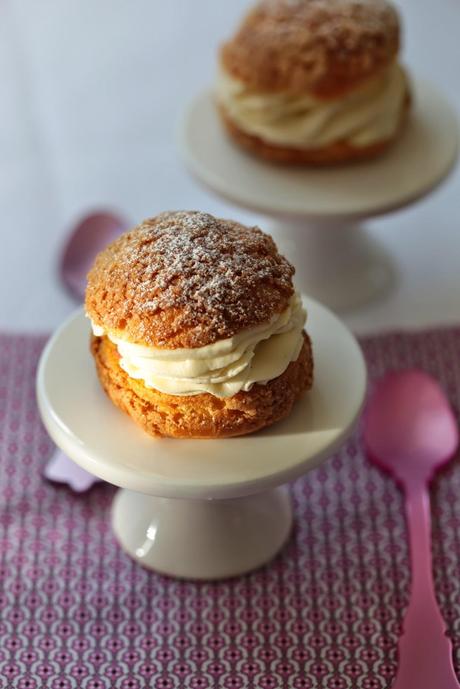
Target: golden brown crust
[326, 47]
[186, 280]
[202, 416]
[334, 154]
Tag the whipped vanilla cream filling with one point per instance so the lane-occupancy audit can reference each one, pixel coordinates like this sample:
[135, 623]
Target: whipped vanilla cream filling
[224, 368]
[369, 114]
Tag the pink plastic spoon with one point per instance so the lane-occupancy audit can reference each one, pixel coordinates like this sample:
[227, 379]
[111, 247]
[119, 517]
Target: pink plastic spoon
[410, 431]
[90, 236]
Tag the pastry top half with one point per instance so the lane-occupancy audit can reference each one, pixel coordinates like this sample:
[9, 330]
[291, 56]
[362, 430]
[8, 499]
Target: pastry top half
[324, 47]
[197, 305]
[187, 280]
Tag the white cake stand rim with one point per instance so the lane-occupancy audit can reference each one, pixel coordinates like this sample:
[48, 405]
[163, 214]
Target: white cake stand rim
[201, 174]
[185, 490]
[117, 475]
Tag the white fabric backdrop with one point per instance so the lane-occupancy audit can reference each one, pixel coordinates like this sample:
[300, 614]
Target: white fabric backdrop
[90, 95]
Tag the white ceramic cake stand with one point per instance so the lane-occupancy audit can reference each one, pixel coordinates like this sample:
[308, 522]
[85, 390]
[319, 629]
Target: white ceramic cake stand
[317, 209]
[202, 509]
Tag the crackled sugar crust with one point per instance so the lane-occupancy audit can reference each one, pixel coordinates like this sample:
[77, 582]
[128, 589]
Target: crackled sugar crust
[187, 279]
[325, 47]
[202, 416]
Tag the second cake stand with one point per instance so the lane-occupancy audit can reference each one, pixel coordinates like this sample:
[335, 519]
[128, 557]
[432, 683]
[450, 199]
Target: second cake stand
[200, 509]
[317, 210]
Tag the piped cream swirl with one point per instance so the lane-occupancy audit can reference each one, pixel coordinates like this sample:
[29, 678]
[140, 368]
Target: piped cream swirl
[369, 114]
[224, 368]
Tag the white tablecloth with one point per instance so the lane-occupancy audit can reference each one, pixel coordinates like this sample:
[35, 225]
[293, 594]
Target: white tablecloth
[90, 95]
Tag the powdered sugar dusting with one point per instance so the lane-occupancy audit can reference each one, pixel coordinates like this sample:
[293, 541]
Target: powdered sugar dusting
[343, 24]
[188, 279]
[297, 45]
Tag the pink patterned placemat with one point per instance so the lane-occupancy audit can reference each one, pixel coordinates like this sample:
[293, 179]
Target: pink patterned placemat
[77, 612]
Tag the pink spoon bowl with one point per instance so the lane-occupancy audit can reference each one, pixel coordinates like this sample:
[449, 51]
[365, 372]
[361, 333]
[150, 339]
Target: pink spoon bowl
[87, 239]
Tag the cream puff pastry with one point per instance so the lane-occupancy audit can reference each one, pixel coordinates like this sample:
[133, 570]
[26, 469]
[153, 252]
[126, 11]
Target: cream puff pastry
[314, 81]
[197, 329]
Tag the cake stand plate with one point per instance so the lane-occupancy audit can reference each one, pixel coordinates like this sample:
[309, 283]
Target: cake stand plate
[317, 209]
[201, 509]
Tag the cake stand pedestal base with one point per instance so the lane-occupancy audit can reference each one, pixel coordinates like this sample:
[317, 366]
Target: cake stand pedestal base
[202, 539]
[337, 262]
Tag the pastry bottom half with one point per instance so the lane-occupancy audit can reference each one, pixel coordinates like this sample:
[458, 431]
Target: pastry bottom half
[333, 154]
[202, 416]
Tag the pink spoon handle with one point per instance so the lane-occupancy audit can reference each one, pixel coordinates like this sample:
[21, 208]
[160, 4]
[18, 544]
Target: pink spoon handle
[425, 652]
